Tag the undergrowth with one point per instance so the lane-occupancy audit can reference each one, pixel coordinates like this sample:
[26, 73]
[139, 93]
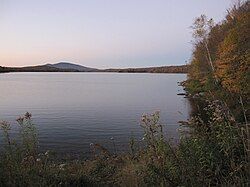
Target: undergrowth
[216, 152]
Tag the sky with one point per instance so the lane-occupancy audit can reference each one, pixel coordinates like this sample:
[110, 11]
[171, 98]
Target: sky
[101, 33]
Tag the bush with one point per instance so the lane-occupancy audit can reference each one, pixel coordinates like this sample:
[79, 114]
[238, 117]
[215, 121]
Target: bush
[214, 153]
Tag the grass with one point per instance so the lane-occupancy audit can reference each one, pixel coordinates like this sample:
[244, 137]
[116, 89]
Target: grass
[216, 152]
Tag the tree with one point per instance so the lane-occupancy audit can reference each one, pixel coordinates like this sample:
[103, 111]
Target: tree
[202, 27]
[232, 65]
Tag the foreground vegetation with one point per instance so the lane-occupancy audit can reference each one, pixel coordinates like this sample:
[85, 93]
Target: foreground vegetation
[215, 152]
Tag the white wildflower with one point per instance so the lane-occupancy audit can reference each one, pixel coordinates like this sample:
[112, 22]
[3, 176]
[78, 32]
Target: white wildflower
[61, 166]
[46, 153]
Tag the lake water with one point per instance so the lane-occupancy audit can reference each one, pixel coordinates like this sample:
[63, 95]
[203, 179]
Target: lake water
[72, 110]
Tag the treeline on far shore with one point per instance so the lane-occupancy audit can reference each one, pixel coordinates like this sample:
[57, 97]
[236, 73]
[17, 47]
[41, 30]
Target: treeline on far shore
[162, 69]
[46, 68]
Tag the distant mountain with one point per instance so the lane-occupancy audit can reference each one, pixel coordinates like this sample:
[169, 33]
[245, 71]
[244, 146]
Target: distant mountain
[70, 66]
[59, 67]
[41, 68]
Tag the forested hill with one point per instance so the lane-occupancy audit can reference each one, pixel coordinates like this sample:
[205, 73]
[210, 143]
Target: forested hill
[41, 68]
[221, 59]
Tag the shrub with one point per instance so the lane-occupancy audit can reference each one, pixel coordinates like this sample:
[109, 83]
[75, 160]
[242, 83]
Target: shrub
[214, 153]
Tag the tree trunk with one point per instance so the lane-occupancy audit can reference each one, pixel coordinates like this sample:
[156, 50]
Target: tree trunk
[209, 56]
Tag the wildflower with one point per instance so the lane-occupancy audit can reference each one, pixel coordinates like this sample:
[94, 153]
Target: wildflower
[20, 120]
[38, 159]
[157, 112]
[28, 115]
[143, 118]
[46, 153]
[5, 125]
[61, 166]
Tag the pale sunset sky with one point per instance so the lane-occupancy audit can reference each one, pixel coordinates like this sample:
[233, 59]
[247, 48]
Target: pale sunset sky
[101, 33]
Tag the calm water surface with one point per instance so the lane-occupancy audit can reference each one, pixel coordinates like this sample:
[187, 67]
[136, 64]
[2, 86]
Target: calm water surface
[72, 110]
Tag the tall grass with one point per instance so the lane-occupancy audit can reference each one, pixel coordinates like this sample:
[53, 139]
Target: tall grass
[216, 152]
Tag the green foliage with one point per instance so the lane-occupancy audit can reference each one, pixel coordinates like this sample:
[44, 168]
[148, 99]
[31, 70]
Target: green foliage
[219, 146]
[214, 153]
